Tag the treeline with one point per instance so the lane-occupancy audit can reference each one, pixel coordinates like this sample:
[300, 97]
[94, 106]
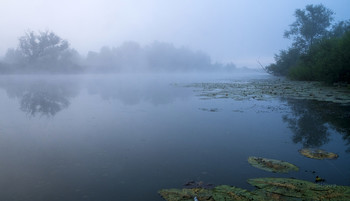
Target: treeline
[320, 49]
[156, 57]
[41, 52]
[45, 52]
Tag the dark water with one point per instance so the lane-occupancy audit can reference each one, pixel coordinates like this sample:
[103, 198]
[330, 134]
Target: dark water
[126, 137]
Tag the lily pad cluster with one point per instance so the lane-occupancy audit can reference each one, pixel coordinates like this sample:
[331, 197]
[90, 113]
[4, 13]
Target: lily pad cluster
[198, 184]
[266, 88]
[272, 165]
[222, 192]
[317, 154]
[303, 190]
[267, 189]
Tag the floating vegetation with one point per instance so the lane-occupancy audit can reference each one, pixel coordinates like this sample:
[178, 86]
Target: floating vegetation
[209, 110]
[303, 190]
[198, 184]
[266, 88]
[218, 193]
[318, 154]
[267, 189]
[319, 179]
[185, 194]
[272, 165]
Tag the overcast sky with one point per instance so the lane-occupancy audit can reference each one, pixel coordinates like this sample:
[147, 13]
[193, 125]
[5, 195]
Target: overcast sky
[238, 31]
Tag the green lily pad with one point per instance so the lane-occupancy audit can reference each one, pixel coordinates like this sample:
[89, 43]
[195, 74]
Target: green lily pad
[225, 192]
[272, 165]
[303, 190]
[184, 194]
[268, 189]
[318, 154]
[222, 192]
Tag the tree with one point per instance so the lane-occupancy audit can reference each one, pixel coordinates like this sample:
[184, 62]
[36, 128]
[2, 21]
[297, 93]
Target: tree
[339, 29]
[43, 51]
[326, 61]
[45, 46]
[285, 60]
[318, 53]
[311, 24]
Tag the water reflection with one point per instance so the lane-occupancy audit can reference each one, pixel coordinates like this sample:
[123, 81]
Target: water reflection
[133, 90]
[41, 96]
[312, 122]
[49, 95]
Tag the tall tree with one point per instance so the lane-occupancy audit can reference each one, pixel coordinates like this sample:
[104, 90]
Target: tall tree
[43, 51]
[311, 24]
[43, 47]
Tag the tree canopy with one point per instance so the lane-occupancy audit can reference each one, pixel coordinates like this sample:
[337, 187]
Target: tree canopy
[311, 24]
[43, 46]
[42, 51]
[320, 50]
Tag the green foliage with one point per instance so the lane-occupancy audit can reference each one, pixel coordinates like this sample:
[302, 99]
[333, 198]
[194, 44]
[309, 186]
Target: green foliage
[317, 53]
[301, 72]
[327, 61]
[339, 29]
[284, 61]
[311, 24]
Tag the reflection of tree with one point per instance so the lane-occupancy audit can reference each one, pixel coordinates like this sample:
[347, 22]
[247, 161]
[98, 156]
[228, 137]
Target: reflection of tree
[132, 90]
[311, 121]
[41, 96]
[43, 102]
[307, 126]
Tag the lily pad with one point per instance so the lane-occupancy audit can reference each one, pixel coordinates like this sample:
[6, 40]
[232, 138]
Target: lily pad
[272, 165]
[268, 189]
[198, 184]
[185, 194]
[222, 192]
[318, 154]
[225, 192]
[304, 190]
[264, 89]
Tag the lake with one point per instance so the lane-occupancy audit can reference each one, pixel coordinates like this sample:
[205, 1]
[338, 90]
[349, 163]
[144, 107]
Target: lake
[124, 137]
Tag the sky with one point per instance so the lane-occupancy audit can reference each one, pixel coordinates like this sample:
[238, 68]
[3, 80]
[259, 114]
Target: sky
[238, 31]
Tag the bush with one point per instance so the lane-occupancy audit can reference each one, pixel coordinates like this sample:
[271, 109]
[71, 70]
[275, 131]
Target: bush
[301, 72]
[328, 61]
[284, 61]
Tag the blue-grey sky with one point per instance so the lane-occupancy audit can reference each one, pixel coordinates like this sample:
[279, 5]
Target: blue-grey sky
[238, 31]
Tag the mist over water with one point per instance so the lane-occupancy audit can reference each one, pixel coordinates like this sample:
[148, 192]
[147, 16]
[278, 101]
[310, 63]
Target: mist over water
[116, 100]
[124, 137]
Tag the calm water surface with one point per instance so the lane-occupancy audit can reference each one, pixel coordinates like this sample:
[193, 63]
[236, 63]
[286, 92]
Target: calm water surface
[125, 137]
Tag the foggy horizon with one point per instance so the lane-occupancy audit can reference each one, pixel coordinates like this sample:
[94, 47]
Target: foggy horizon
[229, 32]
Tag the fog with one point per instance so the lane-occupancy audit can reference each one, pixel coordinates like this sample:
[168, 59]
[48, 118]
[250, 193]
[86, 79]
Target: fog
[119, 100]
[225, 32]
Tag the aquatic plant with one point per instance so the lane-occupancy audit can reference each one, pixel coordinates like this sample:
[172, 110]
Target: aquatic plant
[267, 189]
[273, 88]
[317, 154]
[272, 165]
[304, 190]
